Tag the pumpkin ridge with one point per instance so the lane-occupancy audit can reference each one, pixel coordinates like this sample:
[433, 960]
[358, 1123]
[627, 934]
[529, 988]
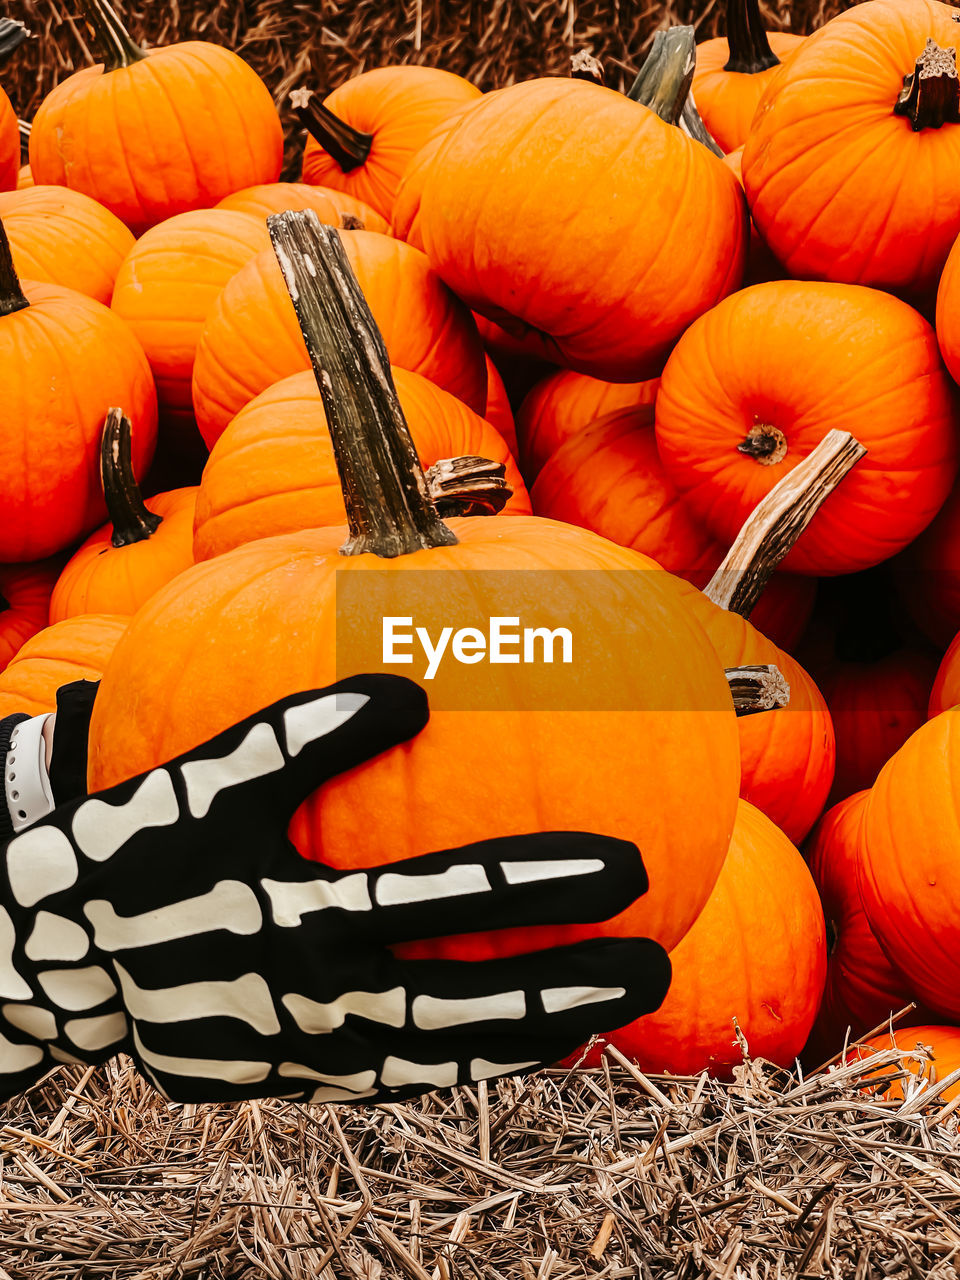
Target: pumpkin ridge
[212, 65]
[114, 114]
[159, 83]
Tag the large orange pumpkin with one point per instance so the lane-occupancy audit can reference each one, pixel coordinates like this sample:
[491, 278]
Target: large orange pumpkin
[938, 1057]
[756, 952]
[64, 361]
[831, 167]
[25, 591]
[273, 470]
[63, 237]
[537, 208]
[213, 127]
[251, 338]
[78, 648]
[653, 759]
[364, 134]
[753, 386]
[335, 208]
[9, 145]
[498, 411]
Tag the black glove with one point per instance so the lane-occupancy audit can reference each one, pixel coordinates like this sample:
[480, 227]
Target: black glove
[171, 918]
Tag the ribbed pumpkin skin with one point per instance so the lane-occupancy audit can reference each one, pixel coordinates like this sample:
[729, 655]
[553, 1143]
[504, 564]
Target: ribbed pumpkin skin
[251, 338]
[213, 130]
[102, 578]
[9, 145]
[26, 588]
[537, 207]
[273, 470]
[77, 649]
[946, 685]
[169, 282]
[25, 178]
[728, 100]
[909, 866]
[945, 1043]
[401, 107]
[805, 357]
[498, 412]
[63, 237]
[238, 631]
[875, 707]
[832, 174]
[64, 361]
[564, 403]
[862, 985]
[330, 206]
[756, 952]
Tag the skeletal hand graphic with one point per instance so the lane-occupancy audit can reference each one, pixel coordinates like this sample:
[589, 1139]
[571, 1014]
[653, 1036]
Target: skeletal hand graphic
[171, 918]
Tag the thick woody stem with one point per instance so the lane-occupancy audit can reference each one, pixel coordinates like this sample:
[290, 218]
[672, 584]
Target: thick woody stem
[691, 122]
[747, 40]
[12, 297]
[584, 66]
[931, 92]
[388, 504]
[468, 486]
[757, 688]
[349, 147]
[131, 520]
[777, 522]
[113, 41]
[664, 80]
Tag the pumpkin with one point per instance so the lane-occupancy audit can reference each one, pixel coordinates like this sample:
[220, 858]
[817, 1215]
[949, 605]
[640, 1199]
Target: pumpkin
[25, 178]
[498, 411]
[909, 864]
[167, 285]
[138, 550]
[930, 1053]
[335, 208]
[9, 145]
[761, 265]
[213, 127]
[405, 214]
[948, 312]
[536, 210]
[862, 986]
[654, 758]
[63, 237]
[364, 134]
[64, 360]
[732, 71]
[251, 339]
[25, 591]
[562, 404]
[946, 685]
[273, 470]
[756, 383]
[78, 648]
[756, 952]
[842, 135]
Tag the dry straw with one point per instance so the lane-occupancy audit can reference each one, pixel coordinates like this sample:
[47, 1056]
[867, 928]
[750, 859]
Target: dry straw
[588, 1173]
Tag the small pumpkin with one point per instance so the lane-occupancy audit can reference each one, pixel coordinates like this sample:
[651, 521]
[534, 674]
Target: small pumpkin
[140, 548]
[930, 1053]
[364, 134]
[25, 591]
[63, 237]
[213, 126]
[334, 208]
[78, 648]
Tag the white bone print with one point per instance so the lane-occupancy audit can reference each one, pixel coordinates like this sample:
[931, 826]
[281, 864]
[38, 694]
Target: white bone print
[76, 989]
[226, 1071]
[398, 1073]
[430, 1012]
[389, 1007]
[529, 872]
[56, 938]
[291, 900]
[100, 829]
[557, 999]
[246, 998]
[257, 755]
[401, 888]
[312, 720]
[12, 983]
[94, 1034]
[230, 905]
[41, 861]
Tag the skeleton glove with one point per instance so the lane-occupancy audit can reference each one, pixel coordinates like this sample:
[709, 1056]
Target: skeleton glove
[171, 918]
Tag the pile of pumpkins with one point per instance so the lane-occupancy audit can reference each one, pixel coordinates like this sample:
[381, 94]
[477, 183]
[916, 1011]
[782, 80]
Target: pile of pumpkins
[646, 309]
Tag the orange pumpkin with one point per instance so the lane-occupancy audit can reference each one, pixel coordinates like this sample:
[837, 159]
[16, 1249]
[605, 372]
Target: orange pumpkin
[405, 215]
[753, 386]
[77, 649]
[938, 1057]
[139, 550]
[9, 145]
[732, 72]
[273, 470]
[64, 360]
[236, 631]
[63, 237]
[498, 412]
[834, 158]
[25, 591]
[756, 952]
[862, 986]
[335, 208]
[251, 338]
[571, 246]
[946, 685]
[365, 133]
[761, 264]
[25, 178]
[213, 127]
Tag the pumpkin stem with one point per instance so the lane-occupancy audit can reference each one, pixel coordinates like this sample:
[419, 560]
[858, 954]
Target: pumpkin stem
[747, 41]
[468, 486]
[757, 688]
[931, 92]
[348, 146]
[12, 297]
[764, 443]
[584, 66]
[389, 509]
[691, 122]
[664, 80]
[131, 520]
[12, 36]
[777, 522]
[114, 43]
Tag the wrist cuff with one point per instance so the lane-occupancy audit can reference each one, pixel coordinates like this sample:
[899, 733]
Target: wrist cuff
[7, 726]
[26, 784]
